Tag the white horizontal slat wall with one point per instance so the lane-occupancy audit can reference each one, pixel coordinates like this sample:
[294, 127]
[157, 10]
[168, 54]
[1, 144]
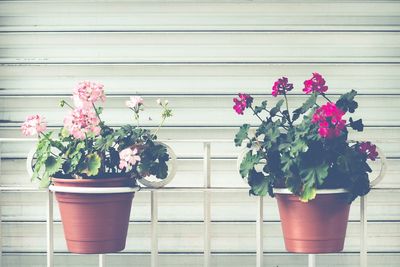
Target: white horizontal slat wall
[198, 54]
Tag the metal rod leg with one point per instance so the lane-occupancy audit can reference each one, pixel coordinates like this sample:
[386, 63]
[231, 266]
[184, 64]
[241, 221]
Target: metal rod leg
[50, 230]
[312, 260]
[207, 205]
[102, 260]
[364, 233]
[154, 234]
[259, 231]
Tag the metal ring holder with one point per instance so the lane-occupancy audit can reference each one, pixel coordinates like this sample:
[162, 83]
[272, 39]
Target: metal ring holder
[171, 172]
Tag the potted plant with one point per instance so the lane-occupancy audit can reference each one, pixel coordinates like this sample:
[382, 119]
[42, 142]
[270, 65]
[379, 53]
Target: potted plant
[304, 158]
[88, 155]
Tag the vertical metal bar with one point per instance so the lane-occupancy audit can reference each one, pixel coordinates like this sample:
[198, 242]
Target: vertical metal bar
[50, 230]
[312, 260]
[364, 234]
[1, 235]
[259, 231]
[102, 260]
[207, 205]
[154, 234]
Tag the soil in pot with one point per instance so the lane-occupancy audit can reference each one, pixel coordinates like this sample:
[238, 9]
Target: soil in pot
[317, 226]
[94, 223]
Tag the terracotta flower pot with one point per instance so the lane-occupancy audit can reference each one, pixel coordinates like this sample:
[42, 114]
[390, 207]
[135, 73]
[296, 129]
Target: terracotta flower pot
[317, 226]
[94, 223]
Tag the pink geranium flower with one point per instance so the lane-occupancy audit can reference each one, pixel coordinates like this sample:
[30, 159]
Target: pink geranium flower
[134, 102]
[86, 93]
[329, 118]
[281, 86]
[33, 125]
[315, 84]
[242, 102]
[369, 149]
[81, 122]
[128, 157]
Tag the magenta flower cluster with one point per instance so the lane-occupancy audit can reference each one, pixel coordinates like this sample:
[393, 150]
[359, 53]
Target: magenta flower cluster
[369, 149]
[315, 84]
[329, 118]
[281, 86]
[242, 102]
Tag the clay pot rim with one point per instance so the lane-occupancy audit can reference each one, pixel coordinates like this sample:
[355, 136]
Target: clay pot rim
[286, 191]
[80, 181]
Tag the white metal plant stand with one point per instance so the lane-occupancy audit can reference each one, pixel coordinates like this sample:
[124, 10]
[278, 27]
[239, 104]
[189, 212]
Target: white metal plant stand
[207, 189]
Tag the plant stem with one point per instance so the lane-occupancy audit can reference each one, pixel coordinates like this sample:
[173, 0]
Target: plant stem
[66, 103]
[159, 126]
[287, 108]
[97, 114]
[324, 96]
[254, 112]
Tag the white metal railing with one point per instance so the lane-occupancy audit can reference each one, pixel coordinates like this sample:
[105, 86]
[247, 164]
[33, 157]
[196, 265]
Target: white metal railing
[206, 189]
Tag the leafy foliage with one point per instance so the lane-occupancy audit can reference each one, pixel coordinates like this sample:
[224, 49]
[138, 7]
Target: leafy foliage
[295, 156]
[242, 134]
[98, 155]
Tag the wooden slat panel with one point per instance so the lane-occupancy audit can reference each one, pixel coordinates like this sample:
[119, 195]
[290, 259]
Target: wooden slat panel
[190, 111]
[189, 173]
[199, 47]
[187, 237]
[176, 260]
[195, 79]
[122, 15]
[188, 206]
[388, 138]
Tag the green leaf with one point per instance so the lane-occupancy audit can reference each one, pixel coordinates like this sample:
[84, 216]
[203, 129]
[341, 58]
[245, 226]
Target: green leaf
[259, 183]
[314, 175]
[53, 165]
[104, 143]
[346, 102]
[162, 170]
[357, 125]
[259, 109]
[242, 134]
[64, 133]
[297, 147]
[92, 164]
[45, 180]
[308, 193]
[248, 163]
[309, 103]
[294, 184]
[42, 153]
[287, 163]
[277, 108]
[271, 134]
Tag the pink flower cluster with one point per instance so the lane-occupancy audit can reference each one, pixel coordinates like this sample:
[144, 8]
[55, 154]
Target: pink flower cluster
[281, 86]
[329, 118]
[86, 93]
[82, 121]
[315, 84]
[128, 157]
[242, 102]
[134, 102]
[369, 149]
[34, 124]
